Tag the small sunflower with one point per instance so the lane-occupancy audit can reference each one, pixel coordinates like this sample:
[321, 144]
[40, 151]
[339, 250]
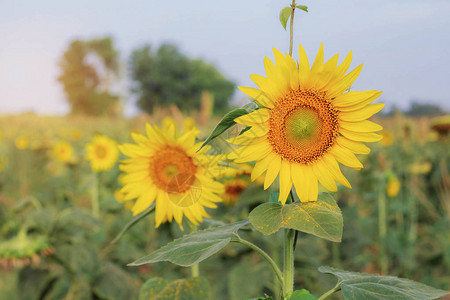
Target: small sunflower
[21, 142]
[63, 151]
[102, 152]
[233, 189]
[307, 122]
[393, 187]
[169, 169]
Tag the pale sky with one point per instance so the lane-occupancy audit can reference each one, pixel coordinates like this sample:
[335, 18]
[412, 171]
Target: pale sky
[404, 45]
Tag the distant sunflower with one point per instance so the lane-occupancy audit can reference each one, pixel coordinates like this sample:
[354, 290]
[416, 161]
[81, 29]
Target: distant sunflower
[102, 152]
[308, 122]
[21, 142]
[233, 189]
[170, 169]
[63, 151]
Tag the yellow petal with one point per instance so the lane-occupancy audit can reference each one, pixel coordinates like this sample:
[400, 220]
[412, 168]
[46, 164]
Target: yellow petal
[311, 185]
[351, 99]
[334, 169]
[285, 181]
[361, 114]
[368, 137]
[258, 116]
[258, 95]
[293, 72]
[261, 166]
[345, 83]
[355, 147]
[346, 157]
[298, 178]
[323, 174]
[272, 172]
[160, 211]
[361, 126]
[303, 66]
[266, 86]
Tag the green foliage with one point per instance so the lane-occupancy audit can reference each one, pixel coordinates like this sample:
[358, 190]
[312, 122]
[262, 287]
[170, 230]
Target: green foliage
[301, 295]
[371, 286]
[247, 279]
[112, 283]
[133, 221]
[226, 122]
[168, 77]
[158, 288]
[322, 218]
[88, 91]
[285, 14]
[195, 247]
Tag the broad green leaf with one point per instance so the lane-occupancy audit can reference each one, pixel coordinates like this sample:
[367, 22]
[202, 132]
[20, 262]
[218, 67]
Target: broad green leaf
[274, 197]
[302, 7]
[371, 286]
[195, 247]
[133, 222]
[152, 288]
[79, 258]
[322, 218]
[112, 284]
[285, 13]
[226, 122]
[248, 279]
[183, 289]
[32, 282]
[301, 295]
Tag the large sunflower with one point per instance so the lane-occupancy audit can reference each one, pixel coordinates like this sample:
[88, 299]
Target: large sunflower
[307, 123]
[102, 152]
[168, 167]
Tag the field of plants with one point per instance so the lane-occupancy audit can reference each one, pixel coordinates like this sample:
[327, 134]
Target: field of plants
[61, 218]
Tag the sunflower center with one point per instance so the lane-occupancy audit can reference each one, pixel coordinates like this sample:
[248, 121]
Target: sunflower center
[172, 170]
[100, 151]
[303, 126]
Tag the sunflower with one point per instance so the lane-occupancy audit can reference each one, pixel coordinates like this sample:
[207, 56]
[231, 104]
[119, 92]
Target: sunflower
[21, 142]
[307, 122]
[233, 189]
[63, 151]
[102, 152]
[169, 169]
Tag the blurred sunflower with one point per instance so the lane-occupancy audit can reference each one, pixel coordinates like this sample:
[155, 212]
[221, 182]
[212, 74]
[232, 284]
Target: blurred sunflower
[393, 187]
[170, 169]
[21, 142]
[22, 250]
[307, 123]
[102, 152]
[233, 189]
[387, 138]
[63, 151]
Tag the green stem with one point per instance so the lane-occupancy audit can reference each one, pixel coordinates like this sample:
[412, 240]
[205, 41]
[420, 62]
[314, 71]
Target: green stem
[288, 265]
[263, 254]
[95, 200]
[382, 231]
[292, 28]
[332, 291]
[195, 268]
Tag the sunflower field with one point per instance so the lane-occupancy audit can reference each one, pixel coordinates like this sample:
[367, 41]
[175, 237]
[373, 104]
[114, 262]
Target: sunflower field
[306, 192]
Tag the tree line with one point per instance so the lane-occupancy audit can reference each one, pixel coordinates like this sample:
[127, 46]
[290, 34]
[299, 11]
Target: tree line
[90, 72]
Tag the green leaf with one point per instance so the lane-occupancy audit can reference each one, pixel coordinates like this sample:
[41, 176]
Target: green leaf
[79, 258]
[322, 218]
[301, 295]
[226, 122]
[112, 284]
[274, 197]
[248, 279]
[183, 289]
[285, 13]
[195, 247]
[371, 286]
[302, 7]
[132, 223]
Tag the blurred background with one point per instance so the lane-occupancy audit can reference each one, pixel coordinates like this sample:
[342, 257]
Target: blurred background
[70, 71]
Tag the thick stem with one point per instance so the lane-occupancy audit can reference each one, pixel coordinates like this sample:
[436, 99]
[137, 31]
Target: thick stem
[263, 254]
[382, 231]
[195, 269]
[292, 28]
[288, 265]
[94, 196]
[332, 291]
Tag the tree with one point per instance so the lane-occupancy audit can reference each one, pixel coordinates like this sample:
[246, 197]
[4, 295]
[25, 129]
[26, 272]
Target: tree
[88, 69]
[169, 77]
[424, 109]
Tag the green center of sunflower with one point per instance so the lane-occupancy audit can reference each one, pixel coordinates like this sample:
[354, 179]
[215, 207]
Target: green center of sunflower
[100, 151]
[302, 125]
